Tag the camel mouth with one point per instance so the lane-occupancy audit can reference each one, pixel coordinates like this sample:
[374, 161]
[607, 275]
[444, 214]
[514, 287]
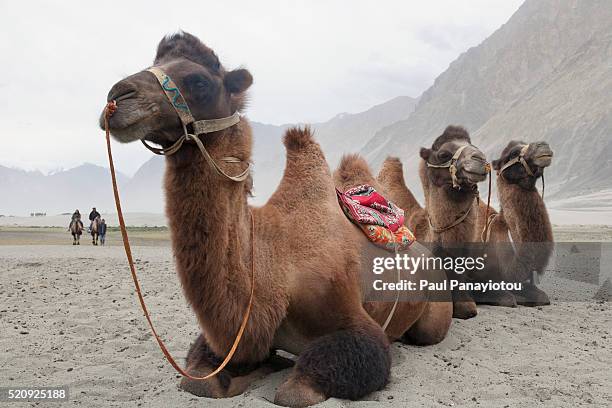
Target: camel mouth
[543, 160]
[130, 122]
[475, 176]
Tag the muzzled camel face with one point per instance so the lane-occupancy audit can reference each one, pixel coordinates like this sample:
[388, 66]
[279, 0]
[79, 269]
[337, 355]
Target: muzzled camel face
[538, 156]
[471, 164]
[144, 111]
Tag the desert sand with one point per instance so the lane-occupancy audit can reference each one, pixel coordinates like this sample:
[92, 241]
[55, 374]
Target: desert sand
[70, 317]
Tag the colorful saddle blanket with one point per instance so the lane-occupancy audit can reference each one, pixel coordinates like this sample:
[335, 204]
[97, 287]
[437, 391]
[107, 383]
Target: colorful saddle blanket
[380, 219]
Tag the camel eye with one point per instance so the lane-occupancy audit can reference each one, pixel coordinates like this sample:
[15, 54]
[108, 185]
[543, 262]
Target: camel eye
[444, 155]
[198, 84]
[198, 87]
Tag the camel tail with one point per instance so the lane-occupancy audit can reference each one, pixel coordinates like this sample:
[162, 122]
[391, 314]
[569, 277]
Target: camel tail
[297, 138]
[353, 170]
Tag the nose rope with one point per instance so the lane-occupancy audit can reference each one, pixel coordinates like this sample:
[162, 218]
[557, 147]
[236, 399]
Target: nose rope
[111, 107]
[484, 236]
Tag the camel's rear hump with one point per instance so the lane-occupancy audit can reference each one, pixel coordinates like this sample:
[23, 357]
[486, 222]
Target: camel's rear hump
[352, 171]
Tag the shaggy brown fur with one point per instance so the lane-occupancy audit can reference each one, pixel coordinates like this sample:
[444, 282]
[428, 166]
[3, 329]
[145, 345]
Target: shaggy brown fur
[523, 213]
[443, 203]
[308, 298]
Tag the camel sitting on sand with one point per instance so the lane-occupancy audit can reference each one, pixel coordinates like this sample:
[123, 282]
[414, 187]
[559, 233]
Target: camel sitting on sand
[306, 254]
[523, 217]
[450, 172]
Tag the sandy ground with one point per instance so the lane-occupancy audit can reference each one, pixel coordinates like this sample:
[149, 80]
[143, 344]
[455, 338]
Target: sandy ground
[69, 316]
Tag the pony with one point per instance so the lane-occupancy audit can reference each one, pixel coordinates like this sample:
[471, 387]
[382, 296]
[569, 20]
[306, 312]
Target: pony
[76, 229]
[94, 230]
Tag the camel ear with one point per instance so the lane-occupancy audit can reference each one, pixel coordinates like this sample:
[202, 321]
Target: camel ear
[425, 153]
[238, 80]
[496, 164]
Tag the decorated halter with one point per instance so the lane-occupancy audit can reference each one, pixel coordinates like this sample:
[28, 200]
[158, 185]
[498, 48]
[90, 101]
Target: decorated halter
[451, 165]
[199, 127]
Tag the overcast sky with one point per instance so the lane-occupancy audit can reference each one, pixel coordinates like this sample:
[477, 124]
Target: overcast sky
[310, 60]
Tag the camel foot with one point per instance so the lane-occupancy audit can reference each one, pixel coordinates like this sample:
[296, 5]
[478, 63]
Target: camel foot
[531, 296]
[502, 298]
[347, 364]
[231, 381]
[224, 385]
[216, 387]
[464, 309]
[297, 392]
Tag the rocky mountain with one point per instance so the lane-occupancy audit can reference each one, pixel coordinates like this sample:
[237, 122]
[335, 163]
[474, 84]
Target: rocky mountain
[544, 75]
[344, 133]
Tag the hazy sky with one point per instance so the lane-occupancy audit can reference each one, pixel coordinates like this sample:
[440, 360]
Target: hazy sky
[310, 59]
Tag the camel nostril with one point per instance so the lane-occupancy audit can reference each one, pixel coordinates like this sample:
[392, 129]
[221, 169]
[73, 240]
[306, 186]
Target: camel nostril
[121, 90]
[121, 95]
[479, 158]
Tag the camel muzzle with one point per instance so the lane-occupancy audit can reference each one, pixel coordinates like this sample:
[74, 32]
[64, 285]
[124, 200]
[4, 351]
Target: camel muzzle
[543, 155]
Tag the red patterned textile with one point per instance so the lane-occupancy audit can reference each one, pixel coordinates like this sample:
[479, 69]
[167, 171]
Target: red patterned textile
[379, 219]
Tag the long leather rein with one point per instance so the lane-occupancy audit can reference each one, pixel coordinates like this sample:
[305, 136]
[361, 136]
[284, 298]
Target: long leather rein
[200, 127]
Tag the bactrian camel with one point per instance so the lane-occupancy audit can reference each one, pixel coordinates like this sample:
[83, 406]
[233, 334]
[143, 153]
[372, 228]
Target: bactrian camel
[450, 172]
[307, 296]
[523, 217]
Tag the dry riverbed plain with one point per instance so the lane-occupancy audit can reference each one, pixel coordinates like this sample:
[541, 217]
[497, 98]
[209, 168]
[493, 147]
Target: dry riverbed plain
[69, 316]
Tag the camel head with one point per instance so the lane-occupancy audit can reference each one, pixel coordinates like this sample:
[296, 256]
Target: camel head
[523, 163]
[452, 152]
[144, 112]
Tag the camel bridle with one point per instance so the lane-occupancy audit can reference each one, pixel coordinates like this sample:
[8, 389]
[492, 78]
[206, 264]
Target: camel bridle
[451, 165]
[521, 159]
[200, 127]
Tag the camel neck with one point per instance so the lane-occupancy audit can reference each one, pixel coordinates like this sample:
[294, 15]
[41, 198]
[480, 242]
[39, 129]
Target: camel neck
[210, 227]
[525, 213]
[444, 207]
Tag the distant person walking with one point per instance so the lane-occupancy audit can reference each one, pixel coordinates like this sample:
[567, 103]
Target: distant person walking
[102, 231]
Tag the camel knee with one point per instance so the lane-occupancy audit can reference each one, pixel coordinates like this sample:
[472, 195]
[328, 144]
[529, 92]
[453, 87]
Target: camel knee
[347, 364]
